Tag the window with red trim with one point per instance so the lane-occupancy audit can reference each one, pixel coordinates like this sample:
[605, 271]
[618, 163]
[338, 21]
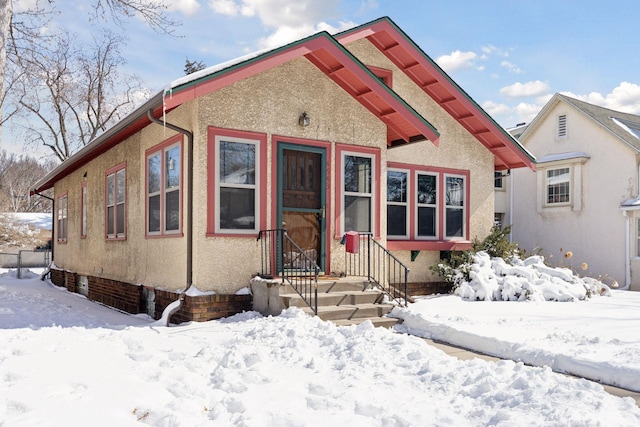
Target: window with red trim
[115, 213]
[237, 180]
[164, 188]
[83, 209]
[434, 211]
[62, 217]
[358, 189]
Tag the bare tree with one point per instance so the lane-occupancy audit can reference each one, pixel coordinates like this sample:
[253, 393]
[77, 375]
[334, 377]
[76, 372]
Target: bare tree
[74, 91]
[25, 26]
[193, 66]
[17, 175]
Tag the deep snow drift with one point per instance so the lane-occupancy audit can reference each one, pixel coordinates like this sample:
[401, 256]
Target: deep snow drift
[67, 361]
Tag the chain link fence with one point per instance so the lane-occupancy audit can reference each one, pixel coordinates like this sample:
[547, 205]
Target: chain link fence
[25, 259]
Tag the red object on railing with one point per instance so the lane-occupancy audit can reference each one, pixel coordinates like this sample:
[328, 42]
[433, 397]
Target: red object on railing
[352, 242]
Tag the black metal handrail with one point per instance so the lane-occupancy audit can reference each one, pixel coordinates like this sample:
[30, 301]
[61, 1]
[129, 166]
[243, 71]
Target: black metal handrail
[281, 256]
[380, 267]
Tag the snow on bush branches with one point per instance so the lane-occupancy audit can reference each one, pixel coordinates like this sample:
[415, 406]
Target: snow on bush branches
[493, 279]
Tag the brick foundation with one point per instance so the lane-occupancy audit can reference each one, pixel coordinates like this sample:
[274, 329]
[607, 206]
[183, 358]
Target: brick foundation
[121, 295]
[57, 277]
[203, 307]
[132, 298]
[428, 288]
[71, 281]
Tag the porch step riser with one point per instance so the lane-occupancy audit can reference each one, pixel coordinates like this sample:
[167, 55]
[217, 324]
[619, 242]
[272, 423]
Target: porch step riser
[325, 287]
[334, 299]
[350, 312]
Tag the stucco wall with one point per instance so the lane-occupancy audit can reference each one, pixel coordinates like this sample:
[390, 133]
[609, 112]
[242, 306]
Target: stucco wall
[268, 103]
[271, 103]
[457, 149]
[595, 233]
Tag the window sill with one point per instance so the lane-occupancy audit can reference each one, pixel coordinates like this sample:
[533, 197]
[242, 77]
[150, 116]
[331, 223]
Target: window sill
[428, 245]
[252, 235]
[163, 236]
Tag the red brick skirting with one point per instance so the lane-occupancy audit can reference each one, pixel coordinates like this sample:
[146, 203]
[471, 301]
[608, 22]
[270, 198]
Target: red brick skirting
[202, 308]
[428, 288]
[131, 298]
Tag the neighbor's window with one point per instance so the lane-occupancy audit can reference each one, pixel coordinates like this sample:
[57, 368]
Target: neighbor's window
[164, 180]
[358, 194]
[83, 210]
[62, 217]
[236, 187]
[498, 180]
[427, 205]
[116, 202]
[557, 186]
[454, 220]
[397, 203]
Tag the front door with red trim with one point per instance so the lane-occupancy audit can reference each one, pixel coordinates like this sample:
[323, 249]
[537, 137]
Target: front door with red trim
[301, 197]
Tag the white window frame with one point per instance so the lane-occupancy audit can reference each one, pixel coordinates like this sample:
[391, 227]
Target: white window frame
[63, 217]
[371, 194]
[83, 209]
[435, 206]
[163, 191]
[255, 186]
[114, 172]
[406, 204]
[546, 184]
[637, 237]
[463, 208]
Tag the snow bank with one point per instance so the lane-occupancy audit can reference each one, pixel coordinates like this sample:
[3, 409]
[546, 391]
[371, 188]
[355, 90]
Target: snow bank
[492, 279]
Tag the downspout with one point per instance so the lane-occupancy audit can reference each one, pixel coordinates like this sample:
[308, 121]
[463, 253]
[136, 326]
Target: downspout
[511, 192]
[188, 226]
[53, 225]
[627, 252]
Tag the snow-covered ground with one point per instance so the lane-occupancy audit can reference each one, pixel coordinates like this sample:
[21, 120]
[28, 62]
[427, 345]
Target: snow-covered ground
[65, 360]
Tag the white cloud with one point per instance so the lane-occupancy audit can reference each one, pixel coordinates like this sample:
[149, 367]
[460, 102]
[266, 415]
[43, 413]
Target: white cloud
[518, 90]
[494, 109]
[511, 67]
[186, 7]
[625, 97]
[457, 60]
[288, 20]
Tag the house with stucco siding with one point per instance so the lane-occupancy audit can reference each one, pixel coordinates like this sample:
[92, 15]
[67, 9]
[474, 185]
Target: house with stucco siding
[583, 198]
[357, 132]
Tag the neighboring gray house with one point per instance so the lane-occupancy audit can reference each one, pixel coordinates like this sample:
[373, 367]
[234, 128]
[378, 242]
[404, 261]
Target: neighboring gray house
[583, 198]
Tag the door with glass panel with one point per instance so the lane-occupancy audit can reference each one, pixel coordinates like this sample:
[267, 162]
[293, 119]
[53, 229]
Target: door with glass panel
[301, 197]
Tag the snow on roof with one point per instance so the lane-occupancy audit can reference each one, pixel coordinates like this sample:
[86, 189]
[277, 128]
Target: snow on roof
[563, 156]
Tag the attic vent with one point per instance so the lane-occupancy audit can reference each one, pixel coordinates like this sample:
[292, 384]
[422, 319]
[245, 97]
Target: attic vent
[562, 126]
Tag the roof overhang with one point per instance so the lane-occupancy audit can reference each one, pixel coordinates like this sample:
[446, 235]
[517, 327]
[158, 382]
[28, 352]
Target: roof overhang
[404, 123]
[417, 65]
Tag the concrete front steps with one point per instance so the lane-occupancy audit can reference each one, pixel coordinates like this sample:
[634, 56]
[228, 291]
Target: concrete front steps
[344, 301]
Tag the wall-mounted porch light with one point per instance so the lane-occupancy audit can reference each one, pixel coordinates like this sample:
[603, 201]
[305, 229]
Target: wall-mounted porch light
[304, 120]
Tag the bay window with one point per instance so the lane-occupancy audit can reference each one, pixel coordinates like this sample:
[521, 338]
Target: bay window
[427, 206]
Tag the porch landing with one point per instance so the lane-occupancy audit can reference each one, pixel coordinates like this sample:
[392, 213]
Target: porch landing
[344, 301]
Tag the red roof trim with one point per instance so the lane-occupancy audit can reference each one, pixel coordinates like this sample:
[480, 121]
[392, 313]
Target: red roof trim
[407, 56]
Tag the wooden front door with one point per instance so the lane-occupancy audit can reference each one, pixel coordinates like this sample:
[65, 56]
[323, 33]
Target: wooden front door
[301, 197]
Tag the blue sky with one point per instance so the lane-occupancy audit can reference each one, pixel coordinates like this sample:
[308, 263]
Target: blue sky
[510, 56]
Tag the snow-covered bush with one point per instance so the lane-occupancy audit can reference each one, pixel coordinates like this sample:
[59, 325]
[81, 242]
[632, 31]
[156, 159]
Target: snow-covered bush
[493, 279]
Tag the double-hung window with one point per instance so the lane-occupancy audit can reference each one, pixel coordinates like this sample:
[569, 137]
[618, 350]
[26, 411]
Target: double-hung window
[116, 202]
[427, 205]
[164, 183]
[357, 200]
[237, 196]
[62, 217]
[397, 203]
[455, 206]
[558, 188]
[83, 209]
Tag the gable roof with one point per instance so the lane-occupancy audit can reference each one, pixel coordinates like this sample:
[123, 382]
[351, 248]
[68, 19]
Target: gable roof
[405, 125]
[620, 125]
[417, 65]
